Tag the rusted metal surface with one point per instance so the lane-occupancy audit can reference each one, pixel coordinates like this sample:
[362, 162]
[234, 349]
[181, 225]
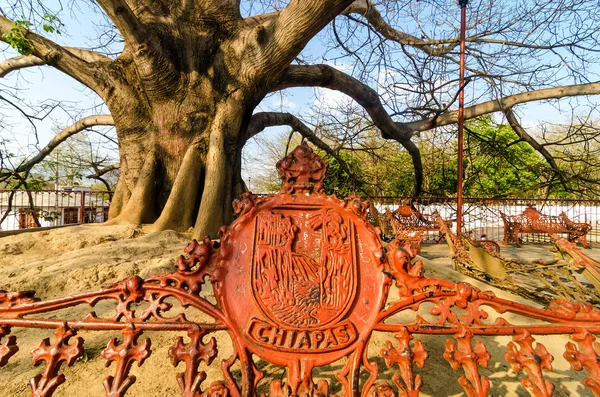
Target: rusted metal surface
[299, 280]
[532, 361]
[55, 354]
[482, 219]
[380, 220]
[406, 357]
[470, 358]
[124, 355]
[580, 262]
[586, 356]
[461, 116]
[408, 223]
[26, 209]
[405, 234]
[533, 221]
[537, 280]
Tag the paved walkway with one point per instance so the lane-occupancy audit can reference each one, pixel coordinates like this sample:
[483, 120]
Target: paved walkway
[529, 252]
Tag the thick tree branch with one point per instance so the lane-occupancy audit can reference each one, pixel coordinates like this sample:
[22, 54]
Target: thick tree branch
[19, 62]
[300, 20]
[328, 77]
[151, 60]
[26, 61]
[501, 105]
[260, 121]
[80, 125]
[370, 13]
[520, 131]
[125, 20]
[279, 40]
[255, 20]
[87, 55]
[62, 58]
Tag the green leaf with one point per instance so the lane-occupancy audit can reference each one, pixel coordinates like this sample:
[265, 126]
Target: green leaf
[21, 23]
[53, 24]
[16, 37]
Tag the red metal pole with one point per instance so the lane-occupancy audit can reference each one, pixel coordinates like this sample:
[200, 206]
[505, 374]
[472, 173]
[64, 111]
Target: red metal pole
[461, 107]
[82, 207]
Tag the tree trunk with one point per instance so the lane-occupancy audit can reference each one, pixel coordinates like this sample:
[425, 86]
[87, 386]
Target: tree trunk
[222, 160]
[189, 173]
[181, 95]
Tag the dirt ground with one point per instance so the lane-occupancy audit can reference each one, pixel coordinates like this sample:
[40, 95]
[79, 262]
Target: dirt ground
[83, 258]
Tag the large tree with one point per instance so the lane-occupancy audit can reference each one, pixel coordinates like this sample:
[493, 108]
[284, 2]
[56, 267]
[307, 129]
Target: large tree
[183, 91]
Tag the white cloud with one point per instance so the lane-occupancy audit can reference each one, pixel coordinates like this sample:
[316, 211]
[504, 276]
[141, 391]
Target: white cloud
[328, 99]
[282, 102]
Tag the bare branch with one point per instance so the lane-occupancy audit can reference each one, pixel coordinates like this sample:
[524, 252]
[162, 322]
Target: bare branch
[60, 57]
[328, 77]
[520, 131]
[87, 55]
[26, 61]
[281, 39]
[255, 20]
[104, 170]
[370, 13]
[19, 62]
[368, 10]
[80, 125]
[126, 21]
[262, 120]
[502, 104]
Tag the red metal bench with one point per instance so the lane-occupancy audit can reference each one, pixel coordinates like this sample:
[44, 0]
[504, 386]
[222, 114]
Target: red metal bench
[407, 217]
[533, 221]
[404, 234]
[301, 280]
[571, 275]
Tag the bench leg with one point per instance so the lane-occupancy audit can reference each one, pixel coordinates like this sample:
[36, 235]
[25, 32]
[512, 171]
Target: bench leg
[440, 237]
[516, 237]
[575, 237]
[585, 243]
[506, 240]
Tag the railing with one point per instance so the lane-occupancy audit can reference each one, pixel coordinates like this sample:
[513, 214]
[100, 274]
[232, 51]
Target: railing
[313, 304]
[481, 217]
[23, 209]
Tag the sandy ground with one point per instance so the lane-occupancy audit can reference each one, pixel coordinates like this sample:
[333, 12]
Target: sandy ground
[70, 260]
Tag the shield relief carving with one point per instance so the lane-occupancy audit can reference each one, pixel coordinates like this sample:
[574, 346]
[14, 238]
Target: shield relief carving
[296, 289]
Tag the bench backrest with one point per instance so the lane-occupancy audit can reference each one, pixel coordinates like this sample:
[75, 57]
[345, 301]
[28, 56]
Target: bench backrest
[409, 216]
[300, 280]
[532, 218]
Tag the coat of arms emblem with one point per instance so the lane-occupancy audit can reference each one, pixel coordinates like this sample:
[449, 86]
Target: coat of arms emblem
[290, 263]
[304, 283]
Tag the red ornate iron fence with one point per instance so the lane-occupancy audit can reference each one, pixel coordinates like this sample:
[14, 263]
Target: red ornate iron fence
[23, 209]
[301, 280]
[482, 216]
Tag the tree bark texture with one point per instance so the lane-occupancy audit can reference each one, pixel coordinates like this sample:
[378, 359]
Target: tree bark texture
[181, 96]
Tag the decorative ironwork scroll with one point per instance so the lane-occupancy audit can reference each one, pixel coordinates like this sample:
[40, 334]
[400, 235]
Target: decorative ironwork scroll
[538, 280]
[300, 280]
[533, 221]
